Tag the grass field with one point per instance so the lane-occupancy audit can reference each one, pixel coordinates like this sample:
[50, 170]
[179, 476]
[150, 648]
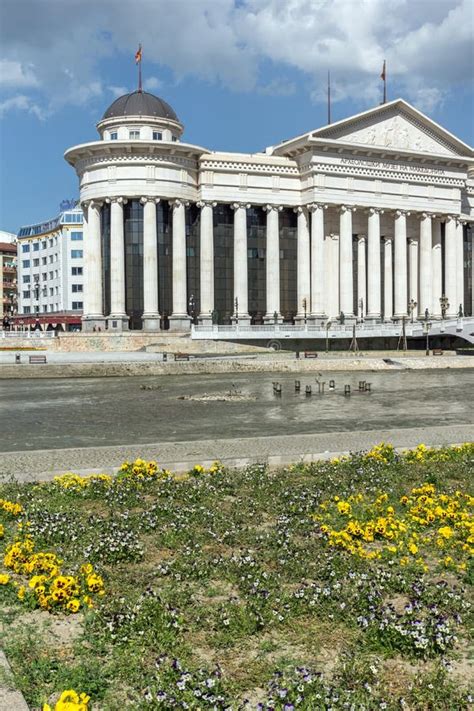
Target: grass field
[339, 585]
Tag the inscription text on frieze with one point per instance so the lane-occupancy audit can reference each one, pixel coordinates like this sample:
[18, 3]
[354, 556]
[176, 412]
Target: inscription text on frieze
[382, 165]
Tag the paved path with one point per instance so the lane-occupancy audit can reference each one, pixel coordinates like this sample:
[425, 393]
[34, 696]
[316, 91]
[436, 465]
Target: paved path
[44, 464]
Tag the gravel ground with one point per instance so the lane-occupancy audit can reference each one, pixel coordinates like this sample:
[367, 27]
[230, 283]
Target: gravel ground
[44, 464]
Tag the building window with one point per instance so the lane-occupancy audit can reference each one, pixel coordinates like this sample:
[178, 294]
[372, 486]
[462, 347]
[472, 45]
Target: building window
[45, 276]
[26, 309]
[134, 135]
[76, 305]
[51, 291]
[36, 246]
[26, 294]
[76, 271]
[51, 259]
[37, 308]
[25, 247]
[26, 263]
[51, 242]
[76, 236]
[51, 275]
[113, 135]
[44, 244]
[76, 288]
[157, 135]
[76, 253]
[44, 260]
[36, 262]
[26, 278]
[173, 138]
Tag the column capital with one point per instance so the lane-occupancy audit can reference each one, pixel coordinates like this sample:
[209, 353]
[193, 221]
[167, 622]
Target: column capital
[118, 200]
[313, 206]
[347, 208]
[375, 211]
[147, 198]
[388, 240]
[413, 241]
[402, 213]
[236, 205]
[426, 215]
[269, 208]
[178, 202]
[361, 238]
[206, 203]
[451, 218]
[299, 209]
[92, 203]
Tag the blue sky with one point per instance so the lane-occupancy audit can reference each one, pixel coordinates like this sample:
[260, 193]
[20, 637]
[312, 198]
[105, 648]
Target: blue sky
[240, 74]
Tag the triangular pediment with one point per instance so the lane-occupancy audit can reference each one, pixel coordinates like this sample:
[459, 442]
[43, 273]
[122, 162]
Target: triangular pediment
[396, 126]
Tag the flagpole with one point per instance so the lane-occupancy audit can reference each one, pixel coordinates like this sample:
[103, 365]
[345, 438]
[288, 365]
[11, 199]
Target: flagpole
[140, 69]
[383, 76]
[329, 97]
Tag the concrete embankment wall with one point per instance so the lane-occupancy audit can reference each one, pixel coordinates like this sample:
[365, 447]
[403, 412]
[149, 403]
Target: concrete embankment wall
[202, 367]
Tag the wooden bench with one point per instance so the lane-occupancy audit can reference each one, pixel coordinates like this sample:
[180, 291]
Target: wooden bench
[181, 356]
[310, 354]
[37, 359]
[437, 351]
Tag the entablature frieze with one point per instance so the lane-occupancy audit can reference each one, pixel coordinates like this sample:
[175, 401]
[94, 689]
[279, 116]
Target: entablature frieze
[242, 167]
[130, 158]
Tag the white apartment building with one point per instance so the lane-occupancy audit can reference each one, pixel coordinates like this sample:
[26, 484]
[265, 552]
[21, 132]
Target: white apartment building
[50, 271]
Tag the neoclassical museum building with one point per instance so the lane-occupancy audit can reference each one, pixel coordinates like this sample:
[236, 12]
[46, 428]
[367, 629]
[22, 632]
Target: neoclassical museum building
[367, 218]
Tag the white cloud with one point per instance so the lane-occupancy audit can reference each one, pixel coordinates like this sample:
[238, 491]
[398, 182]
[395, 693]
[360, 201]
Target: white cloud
[55, 47]
[14, 74]
[21, 103]
[118, 90]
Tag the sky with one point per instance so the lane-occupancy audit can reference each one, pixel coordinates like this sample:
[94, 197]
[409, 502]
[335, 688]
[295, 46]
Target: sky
[240, 74]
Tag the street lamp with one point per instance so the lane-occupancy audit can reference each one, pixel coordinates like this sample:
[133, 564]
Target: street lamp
[426, 331]
[412, 306]
[444, 303]
[305, 306]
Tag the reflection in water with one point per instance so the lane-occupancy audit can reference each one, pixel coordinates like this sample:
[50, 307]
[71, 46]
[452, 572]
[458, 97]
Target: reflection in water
[44, 414]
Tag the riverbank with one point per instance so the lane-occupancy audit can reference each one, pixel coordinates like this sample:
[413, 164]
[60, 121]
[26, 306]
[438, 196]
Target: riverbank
[244, 364]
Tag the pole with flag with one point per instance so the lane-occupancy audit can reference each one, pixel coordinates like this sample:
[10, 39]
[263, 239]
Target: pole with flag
[138, 60]
[329, 97]
[383, 76]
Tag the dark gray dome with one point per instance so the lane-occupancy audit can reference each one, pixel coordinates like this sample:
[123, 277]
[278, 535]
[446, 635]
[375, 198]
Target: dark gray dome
[140, 103]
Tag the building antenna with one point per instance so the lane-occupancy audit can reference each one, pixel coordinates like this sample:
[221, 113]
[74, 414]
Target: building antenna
[329, 96]
[138, 60]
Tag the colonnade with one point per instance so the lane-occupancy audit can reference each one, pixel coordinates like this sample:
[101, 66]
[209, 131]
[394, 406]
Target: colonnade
[412, 268]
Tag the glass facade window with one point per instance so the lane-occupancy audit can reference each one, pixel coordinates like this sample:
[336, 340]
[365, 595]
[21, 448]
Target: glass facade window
[105, 243]
[26, 310]
[77, 305]
[44, 244]
[113, 135]
[76, 271]
[26, 263]
[157, 135]
[26, 294]
[223, 217]
[164, 230]
[76, 236]
[36, 262]
[76, 253]
[257, 274]
[193, 283]
[133, 224]
[26, 278]
[288, 252]
[36, 246]
[76, 288]
[25, 247]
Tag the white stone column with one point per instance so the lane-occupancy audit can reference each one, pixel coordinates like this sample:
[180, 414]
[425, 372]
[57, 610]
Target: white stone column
[426, 272]
[117, 320]
[450, 258]
[346, 279]
[93, 315]
[318, 310]
[374, 281]
[413, 270]
[241, 308]
[273, 263]
[388, 280]
[459, 265]
[437, 266]
[151, 315]
[361, 276]
[401, 264]
[179, 319]
[206, 264]
[303, 264]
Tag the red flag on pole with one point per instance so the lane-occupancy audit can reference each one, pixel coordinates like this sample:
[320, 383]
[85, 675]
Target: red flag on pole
[138, 60]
